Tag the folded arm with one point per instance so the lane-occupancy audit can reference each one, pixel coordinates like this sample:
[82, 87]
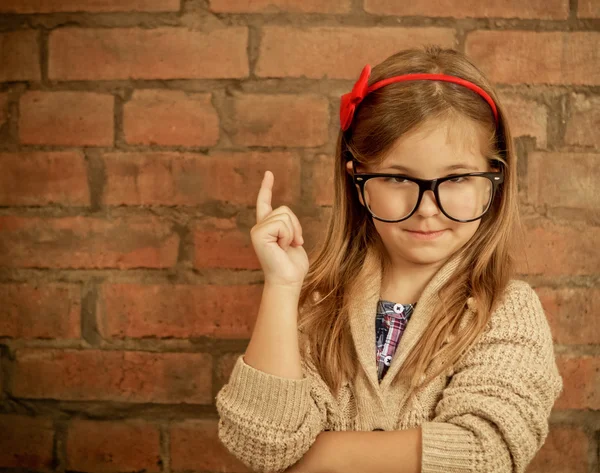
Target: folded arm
[493, 415]
[266, 421]
[395, 451]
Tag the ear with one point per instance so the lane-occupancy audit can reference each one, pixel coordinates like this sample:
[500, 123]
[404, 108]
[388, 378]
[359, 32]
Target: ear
[349, 171]
[349, 167]
[496, 165]
[359, 167]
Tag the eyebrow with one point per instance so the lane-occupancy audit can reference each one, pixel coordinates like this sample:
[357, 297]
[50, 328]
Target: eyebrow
[453, 167]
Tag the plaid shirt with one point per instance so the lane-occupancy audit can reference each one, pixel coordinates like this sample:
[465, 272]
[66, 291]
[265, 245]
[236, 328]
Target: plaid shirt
[389, 326]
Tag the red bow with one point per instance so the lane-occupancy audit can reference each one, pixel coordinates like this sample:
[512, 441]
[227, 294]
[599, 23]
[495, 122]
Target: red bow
[350, 101]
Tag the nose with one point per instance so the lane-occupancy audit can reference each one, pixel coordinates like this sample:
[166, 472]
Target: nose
[428, 206]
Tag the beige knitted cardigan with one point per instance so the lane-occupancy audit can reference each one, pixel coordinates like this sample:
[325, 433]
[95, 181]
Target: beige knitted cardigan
[488, 413]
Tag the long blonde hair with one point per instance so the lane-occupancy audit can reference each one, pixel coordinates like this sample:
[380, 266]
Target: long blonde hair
[382, 117]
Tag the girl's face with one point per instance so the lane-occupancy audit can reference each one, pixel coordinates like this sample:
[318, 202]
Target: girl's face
[436, 149]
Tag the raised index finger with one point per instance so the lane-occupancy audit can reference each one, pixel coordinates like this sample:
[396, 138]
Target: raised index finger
[263, 201]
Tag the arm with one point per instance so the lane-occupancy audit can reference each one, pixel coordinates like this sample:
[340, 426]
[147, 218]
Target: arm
[273, 347]
[395, 451]
[268, 416]
[493, 415]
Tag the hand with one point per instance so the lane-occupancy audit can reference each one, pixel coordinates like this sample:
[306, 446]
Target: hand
[277, 240]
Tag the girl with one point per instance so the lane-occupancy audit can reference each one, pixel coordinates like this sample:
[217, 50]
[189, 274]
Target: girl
[410, 321]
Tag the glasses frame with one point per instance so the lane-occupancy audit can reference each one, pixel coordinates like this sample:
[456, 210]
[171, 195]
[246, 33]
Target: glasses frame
[360, 179]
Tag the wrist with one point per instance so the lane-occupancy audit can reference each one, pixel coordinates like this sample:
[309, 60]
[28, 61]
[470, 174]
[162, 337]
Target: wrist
[292, 288]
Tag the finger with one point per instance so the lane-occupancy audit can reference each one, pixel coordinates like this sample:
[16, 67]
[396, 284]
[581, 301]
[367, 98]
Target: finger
[289, 236]
[281, 229]
[295, 222]
[265, 193]
[297, 228]
[280, 215]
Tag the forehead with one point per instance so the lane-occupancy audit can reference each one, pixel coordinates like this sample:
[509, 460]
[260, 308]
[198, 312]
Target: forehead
[437, 145]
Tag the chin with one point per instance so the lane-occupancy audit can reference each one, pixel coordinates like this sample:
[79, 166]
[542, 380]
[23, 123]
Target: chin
[425, 256]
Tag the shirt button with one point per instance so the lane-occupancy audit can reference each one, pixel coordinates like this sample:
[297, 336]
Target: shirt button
[398, 308]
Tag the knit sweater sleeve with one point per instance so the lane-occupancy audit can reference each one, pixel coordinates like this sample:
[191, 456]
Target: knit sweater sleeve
[269, 422]
[493, 415]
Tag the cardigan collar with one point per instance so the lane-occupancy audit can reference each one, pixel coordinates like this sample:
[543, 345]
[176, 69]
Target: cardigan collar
[363, 309]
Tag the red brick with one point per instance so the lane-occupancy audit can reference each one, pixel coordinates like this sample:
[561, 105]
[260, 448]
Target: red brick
[83, 242]
[526, 118]
[337, 52]
[552, 249]
[112, 446]
[588, 9]
[21, 306]
[191, 179]
[19, 56]
[136, 53]
[565, 449]
[63, 174]
[66, 118]
[583, 121]
[513, 57]
[195, 446]
[179, 311]
[314, 229]
[3, 109]
[276, 6]
[53, 6]
[543, 9]
[321, 178]
[570, 309]
[26, 442]
[224, 367]
[170, 118]
[281, 120]
[581, 375]
[110, 375]
[219, 243]
[549, 184]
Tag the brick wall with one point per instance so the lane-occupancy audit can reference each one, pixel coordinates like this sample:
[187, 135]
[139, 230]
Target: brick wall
[133, 138]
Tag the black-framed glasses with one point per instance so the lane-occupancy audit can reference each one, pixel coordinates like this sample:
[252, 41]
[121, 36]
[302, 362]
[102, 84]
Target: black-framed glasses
[396, 197]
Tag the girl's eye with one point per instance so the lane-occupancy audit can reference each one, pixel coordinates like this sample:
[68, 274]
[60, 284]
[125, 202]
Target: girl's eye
[459, 179]
[397, 180]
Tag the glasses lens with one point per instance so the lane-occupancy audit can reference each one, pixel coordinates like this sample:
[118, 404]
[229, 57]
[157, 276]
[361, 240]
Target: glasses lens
[391, 198]
[462, 198]
[466, 198]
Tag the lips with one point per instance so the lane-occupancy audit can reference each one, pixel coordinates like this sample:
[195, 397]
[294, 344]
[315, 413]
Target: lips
[426, 236]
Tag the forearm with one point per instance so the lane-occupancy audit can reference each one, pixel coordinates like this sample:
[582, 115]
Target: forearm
[273, 347]
[395, 451]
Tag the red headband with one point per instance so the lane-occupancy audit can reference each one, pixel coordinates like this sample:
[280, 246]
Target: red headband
[350, 101]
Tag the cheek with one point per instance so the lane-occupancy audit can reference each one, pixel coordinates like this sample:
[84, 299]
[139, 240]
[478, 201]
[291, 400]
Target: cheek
[465, 231]
[390, 233]
[386, 230]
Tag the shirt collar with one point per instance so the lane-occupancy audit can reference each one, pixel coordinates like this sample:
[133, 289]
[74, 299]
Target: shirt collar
[364, 297]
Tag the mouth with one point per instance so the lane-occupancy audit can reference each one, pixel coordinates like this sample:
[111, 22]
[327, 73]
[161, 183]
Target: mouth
[425, 235]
